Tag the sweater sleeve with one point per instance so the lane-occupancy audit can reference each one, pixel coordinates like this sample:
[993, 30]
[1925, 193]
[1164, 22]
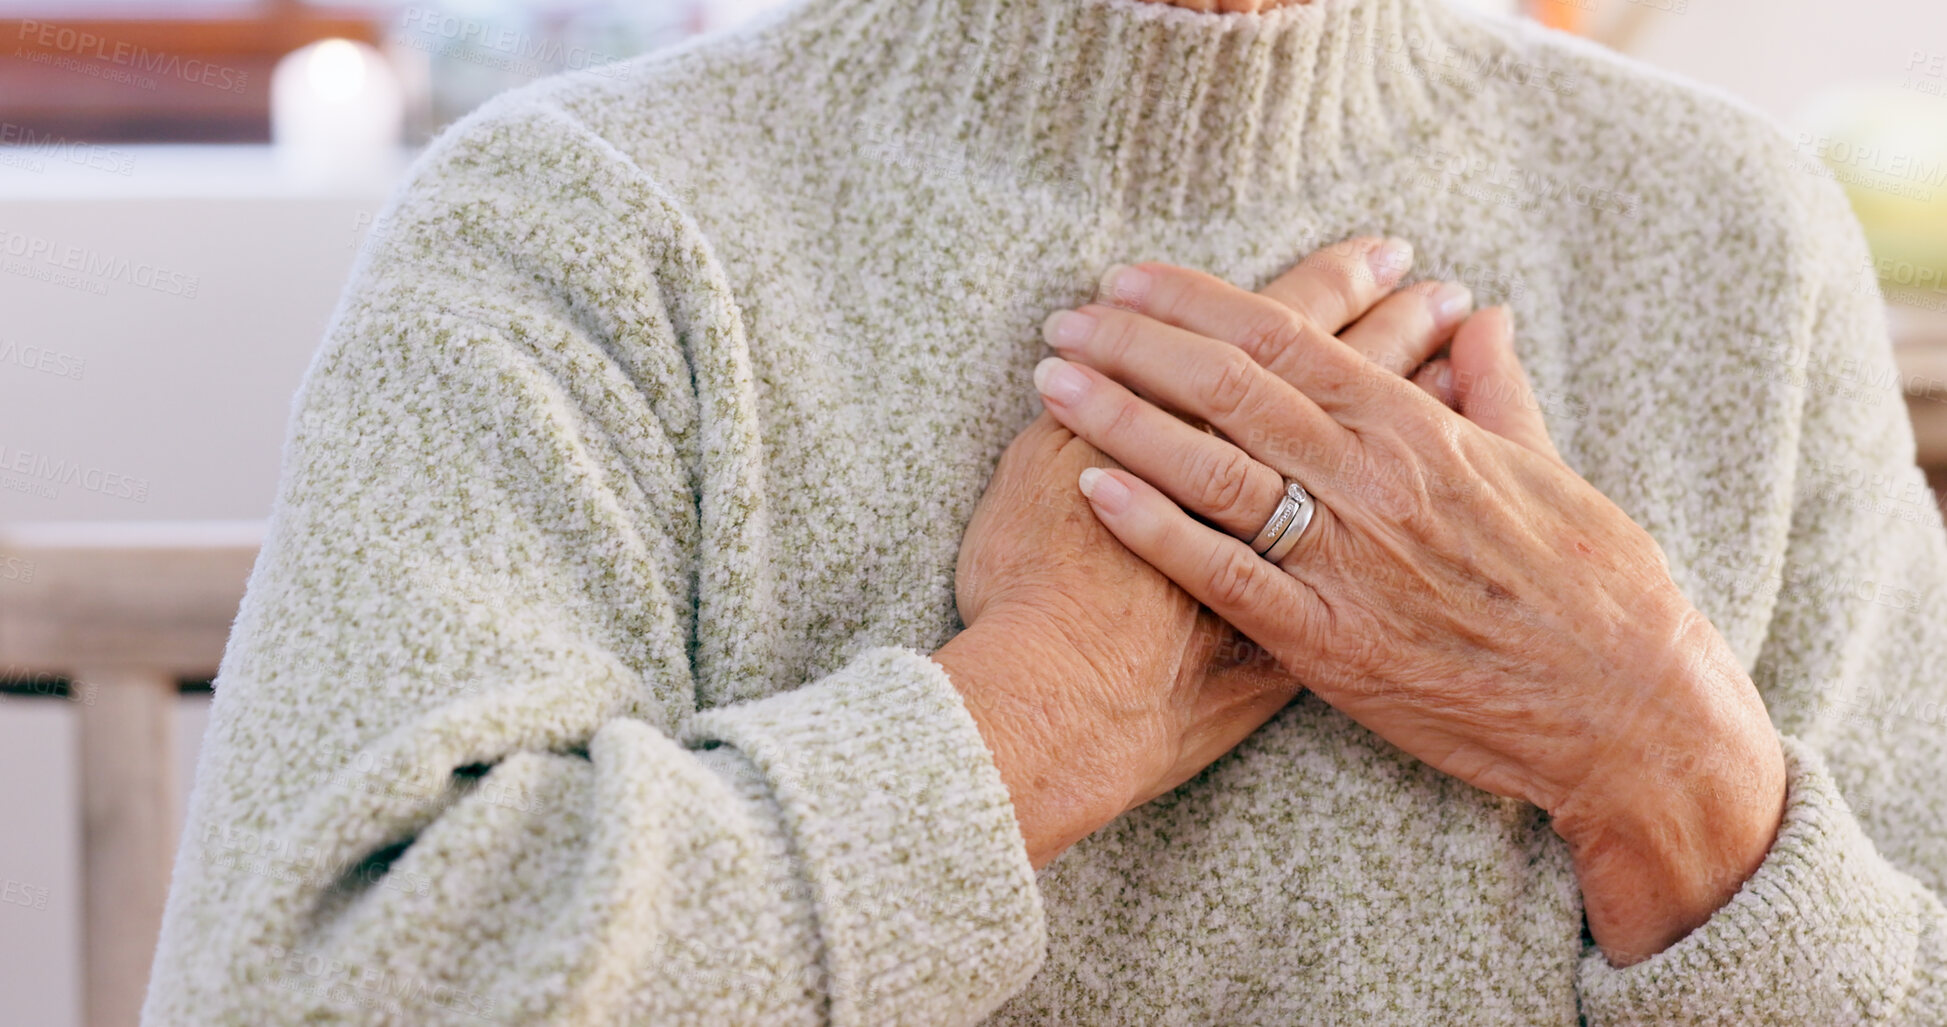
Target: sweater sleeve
[1843, 922]
[457, 771]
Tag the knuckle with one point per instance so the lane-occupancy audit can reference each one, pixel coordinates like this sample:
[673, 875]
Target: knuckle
[1269, 335]
[1123, 421]
[1235, 578]
[1348, 289]
[1438, 442]
[1225, 474]
[1230, 386]
[1341, 269]
[1334, 260]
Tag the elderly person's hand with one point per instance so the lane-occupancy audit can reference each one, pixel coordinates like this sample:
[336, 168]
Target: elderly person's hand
[1097, 683]
[1460, 590]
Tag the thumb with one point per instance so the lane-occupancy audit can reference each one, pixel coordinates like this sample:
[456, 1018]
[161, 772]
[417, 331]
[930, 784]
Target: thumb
[1490, 387]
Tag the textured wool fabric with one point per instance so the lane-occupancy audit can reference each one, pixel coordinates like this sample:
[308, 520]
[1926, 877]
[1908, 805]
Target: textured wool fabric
[584, 677]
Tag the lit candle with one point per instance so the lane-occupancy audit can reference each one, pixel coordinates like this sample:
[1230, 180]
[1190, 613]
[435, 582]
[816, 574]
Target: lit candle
[337, 113]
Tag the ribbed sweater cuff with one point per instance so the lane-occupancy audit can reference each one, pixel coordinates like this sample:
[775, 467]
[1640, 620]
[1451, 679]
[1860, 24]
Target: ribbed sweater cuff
[927, 903]
[1824, 933]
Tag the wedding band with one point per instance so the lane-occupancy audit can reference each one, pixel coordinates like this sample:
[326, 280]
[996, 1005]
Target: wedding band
[1287, 523]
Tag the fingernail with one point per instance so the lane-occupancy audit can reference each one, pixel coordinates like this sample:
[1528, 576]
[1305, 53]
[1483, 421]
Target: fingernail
[1443, 378]
[1058, 380]
[1124, 286]
[1450, 302]
[1390, 260]
[1104, 491]
[1067, 329]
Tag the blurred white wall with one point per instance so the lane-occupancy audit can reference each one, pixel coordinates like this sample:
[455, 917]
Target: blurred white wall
[1779, 54]
[170, 398]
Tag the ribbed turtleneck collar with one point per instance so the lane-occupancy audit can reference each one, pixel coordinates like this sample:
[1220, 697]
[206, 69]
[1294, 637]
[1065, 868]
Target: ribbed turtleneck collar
[1144, 105]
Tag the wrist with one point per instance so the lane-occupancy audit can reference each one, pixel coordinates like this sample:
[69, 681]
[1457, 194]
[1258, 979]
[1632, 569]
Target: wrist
[1014, 676]
[1652, 874]
[1683, 807]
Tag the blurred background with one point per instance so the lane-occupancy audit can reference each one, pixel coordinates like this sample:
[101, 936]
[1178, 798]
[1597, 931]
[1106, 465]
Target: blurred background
[183, 189]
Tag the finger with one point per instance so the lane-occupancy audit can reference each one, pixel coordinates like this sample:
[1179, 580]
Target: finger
[1264, 601]
[1216, 383]
[1205, 474]
[1436, 378]
[1325, 292]
[1158, 360]
[1491, 388]
[1281, 340]
[1334, 286]
[1408, 327]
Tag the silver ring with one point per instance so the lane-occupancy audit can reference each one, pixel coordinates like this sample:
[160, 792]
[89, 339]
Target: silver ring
[1287, 523]
[1281, 518]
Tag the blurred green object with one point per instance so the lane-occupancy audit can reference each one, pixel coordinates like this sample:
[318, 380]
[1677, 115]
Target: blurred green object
[1887, 145]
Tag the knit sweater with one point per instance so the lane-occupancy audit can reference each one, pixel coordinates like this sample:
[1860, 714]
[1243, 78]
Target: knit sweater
[584, 675]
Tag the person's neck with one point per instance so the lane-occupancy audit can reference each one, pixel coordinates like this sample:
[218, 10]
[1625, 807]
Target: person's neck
[1145, 108]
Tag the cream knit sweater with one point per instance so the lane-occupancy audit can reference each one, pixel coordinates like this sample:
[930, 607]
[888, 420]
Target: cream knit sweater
[584, 676]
